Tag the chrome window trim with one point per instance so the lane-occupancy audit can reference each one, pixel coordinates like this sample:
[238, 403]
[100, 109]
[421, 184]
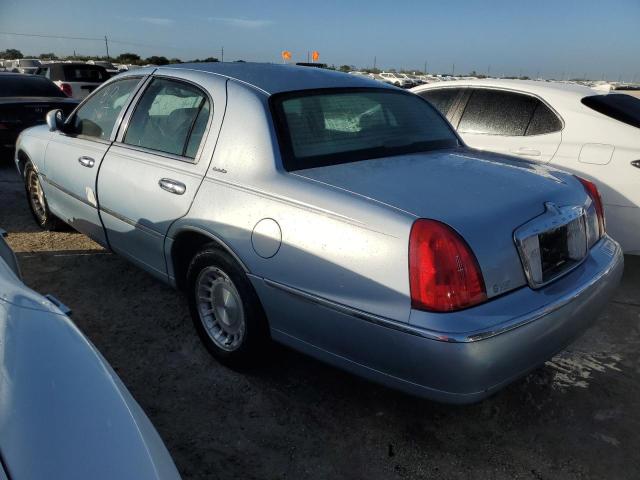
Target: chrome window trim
[157, 153]
[132, 108]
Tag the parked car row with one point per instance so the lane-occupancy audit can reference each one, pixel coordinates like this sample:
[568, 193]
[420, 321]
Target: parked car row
[334, 214]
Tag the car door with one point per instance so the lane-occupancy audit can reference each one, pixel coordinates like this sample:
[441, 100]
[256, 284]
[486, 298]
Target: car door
[511, 123]
[151, 174]
[74, 155]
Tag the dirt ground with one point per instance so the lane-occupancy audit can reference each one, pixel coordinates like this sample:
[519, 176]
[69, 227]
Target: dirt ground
[577, 417]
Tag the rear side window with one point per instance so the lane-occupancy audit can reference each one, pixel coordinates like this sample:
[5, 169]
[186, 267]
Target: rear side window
[543, 121]
[494, 112]
[170, 117]
[441, 98]
[621, 107]
[329, 126]
[84, 73]
[12, 85]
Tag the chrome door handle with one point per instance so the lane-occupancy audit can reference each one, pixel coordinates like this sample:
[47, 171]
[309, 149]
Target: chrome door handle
[172, 186]
[87, 162]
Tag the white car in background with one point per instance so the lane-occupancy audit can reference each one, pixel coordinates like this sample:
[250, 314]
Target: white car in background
[75, 79]
[395, 79]
[589, 132]
[23, 65]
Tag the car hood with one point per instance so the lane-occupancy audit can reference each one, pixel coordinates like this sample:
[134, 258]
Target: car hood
[64, 413]
[484, 196]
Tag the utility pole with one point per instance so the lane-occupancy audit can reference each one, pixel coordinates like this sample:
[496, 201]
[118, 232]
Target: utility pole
[374, 62]
[307, 56]
[453, 70]
[106, 44]
[222, 54]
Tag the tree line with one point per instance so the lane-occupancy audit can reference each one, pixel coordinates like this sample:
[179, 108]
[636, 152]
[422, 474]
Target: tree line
[127, 58]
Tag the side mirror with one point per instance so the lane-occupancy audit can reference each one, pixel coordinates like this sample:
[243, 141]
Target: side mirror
[55, 120]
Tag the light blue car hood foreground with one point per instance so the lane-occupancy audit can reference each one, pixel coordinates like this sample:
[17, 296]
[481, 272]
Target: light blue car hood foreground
[484, 196]
[64, 414]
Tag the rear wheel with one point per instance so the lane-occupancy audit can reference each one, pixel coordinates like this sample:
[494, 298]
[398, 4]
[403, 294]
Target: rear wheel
[225, 309]
[37, 201]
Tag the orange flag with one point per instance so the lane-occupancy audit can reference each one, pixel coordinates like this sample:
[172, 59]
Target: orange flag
[315, 55]
[286, 55]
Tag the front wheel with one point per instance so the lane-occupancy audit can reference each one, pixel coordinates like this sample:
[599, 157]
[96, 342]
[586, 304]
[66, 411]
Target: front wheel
[37, 201]
[225, 309]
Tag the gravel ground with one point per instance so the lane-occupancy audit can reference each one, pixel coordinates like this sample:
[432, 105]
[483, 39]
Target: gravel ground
[577, 417]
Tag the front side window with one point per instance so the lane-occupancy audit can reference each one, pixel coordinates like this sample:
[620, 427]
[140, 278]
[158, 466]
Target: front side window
[97, 117]
[495, 112]
[170, 117]
[621, 107]
[329, 126]
[441, 98]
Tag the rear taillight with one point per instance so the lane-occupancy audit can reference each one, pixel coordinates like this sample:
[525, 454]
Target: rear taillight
[444, 274]
[592, 190]
[66, 89]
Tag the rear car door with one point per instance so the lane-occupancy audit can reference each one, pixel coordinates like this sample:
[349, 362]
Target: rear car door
[153, 171]
[511, 123]
[73, 156]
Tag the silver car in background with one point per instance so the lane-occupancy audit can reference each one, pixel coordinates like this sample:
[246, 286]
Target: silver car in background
[64, 413]
[334, 214]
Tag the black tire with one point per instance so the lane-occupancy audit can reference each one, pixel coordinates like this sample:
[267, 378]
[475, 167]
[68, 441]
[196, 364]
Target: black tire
[37, 202]
[248, 352]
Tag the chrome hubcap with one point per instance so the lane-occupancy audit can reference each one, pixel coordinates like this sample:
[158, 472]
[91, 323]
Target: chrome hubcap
[36, 195]
[220, 308]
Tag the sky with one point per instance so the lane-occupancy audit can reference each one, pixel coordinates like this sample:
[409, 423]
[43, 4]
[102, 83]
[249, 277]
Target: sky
[551, 39]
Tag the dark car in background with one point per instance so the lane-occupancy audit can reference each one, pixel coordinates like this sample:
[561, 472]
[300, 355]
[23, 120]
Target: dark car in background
[77, 79]
[24, 102]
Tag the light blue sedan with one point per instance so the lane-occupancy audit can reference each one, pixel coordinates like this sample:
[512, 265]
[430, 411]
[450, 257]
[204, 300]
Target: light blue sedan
[331, 213]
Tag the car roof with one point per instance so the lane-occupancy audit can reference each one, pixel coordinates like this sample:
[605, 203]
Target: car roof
[552, 91]
[274, 78]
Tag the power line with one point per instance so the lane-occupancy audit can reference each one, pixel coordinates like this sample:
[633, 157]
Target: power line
[91, 39]
[50, 36]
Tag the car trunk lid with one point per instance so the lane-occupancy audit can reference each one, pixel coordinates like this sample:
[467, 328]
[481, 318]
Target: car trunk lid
[484, 196]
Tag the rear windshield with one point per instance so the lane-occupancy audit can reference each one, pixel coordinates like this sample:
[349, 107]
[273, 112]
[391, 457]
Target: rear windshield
[14, 85]
[619, 106]
[29, 63]
[84, 73]
[329, 126]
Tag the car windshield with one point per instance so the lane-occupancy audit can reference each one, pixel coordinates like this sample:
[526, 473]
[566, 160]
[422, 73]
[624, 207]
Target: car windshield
[619, 106]
[12, 85]
[329, 126]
